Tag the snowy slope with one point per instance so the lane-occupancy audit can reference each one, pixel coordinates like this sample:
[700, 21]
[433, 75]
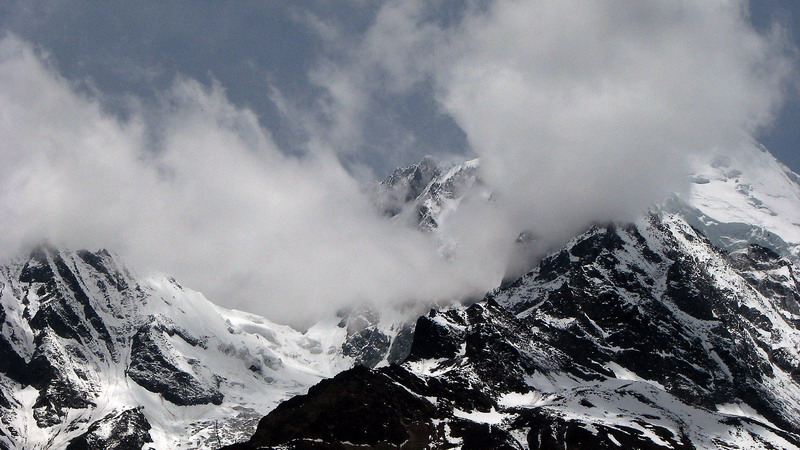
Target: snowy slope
[745, 197]
[91, 341]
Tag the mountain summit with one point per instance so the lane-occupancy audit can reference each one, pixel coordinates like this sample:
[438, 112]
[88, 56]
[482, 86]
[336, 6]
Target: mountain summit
[679, 330]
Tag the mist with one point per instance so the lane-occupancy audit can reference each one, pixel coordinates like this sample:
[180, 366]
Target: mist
[580, 112]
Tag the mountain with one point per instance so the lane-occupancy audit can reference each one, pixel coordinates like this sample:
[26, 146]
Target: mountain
[745, 198]
[423, 195]
[95, 356]
[681, 330]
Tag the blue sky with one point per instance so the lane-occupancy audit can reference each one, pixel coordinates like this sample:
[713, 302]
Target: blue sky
[249, 47]
[253, 48]
[783, 139]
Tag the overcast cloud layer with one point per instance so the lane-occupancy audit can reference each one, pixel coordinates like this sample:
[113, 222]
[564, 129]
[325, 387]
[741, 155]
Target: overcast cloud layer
[580, 112]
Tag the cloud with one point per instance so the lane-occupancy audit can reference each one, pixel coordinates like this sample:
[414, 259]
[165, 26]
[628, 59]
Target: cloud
[581, 112]
[215, 203]
[586, 111]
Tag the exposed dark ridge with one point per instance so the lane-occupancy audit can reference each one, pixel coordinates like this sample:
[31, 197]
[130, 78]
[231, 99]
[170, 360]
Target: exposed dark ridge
[98, 261]
[153, 370]
[127, 430]
[80, 295]
[379, 409]
[432, 340]
[56, 314]
[11, 363]
[37, 269]
[364, 407]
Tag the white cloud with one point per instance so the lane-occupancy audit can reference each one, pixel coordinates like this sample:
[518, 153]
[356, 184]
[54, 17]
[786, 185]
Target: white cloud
[586, 111]
[581, 112]
[217, 204]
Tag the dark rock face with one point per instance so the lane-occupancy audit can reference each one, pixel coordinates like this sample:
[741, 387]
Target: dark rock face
[555, 432]
[153, 368]
[418, 193]
[57, 390]
[11, 363]
[368, 346]
[370, 408]
[71, 329]
[641, 336]
[433, 340]
[370, 342]
[401, 346]
[367, 410]
[127, 430]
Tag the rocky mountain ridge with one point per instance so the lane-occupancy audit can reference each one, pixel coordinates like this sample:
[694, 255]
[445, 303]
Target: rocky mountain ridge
[643, 336]
[424, 194]
[677, 331]
[94, 356]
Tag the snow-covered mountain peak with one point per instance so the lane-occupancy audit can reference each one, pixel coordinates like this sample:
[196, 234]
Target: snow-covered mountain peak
[735, 197]
[745, 196]
[424, 194]
[87, 346]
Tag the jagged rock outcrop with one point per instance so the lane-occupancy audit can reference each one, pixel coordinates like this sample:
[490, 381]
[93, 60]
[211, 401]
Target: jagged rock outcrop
[633, 336]
[424, 194]
[124, 430]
